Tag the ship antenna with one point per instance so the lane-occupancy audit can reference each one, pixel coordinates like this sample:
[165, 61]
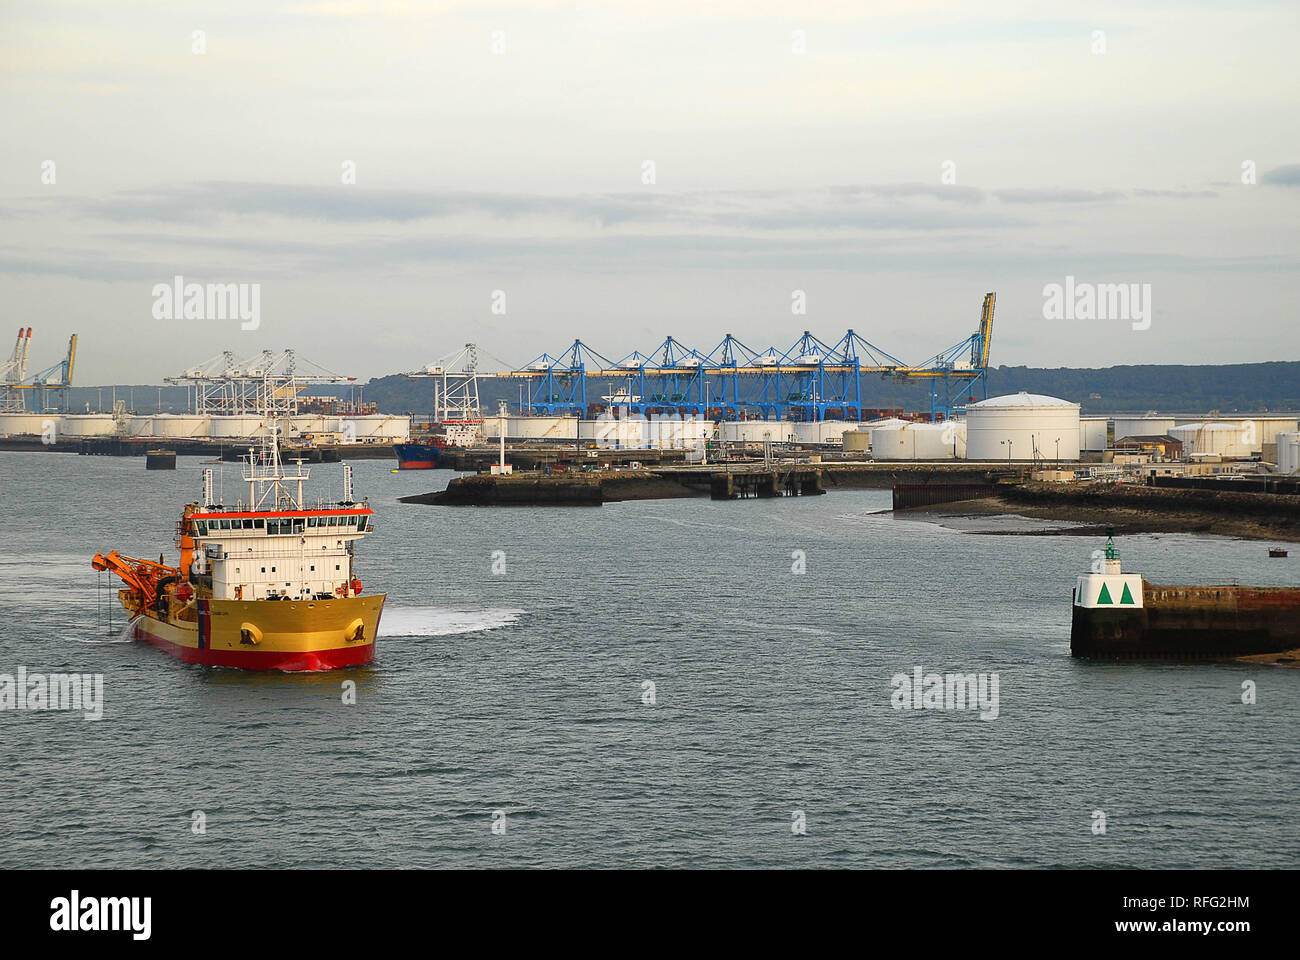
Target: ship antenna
[348, 498]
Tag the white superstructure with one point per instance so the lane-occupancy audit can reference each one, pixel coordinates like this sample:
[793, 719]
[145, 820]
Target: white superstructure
[274, 547]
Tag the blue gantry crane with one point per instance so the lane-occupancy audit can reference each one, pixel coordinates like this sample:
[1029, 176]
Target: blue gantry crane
[810, 380]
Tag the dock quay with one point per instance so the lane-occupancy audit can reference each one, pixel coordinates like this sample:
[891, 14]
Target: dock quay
[231, 451]
[556, 485]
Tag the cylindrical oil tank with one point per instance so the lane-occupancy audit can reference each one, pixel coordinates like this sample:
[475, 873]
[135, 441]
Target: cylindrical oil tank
[234, 427]
[1092, 433]
[821, 431]
[532, 428]
[1022, 426]
[1270, 428]
[857, 441]
[756, 431]
[920, 441]
[1257, 431]
[1143, 426]
[28, 424]
[88, 425]
[183, 426]
[140, 425]
[615, 433]
[1288, 454]
[1216, 438]
[377, 426]
[308, 424]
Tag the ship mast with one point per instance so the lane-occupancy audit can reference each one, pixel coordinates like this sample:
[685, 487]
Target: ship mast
[265, 474]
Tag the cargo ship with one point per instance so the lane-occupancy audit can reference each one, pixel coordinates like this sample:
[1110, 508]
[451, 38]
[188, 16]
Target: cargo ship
[418, 454]
[269, 584]
[1120, 616]
[425, 454]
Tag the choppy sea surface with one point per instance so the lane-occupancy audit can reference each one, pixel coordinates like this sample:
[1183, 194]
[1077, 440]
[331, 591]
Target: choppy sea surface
[518, 697]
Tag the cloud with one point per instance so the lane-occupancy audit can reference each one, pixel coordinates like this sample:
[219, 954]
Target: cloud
[906, 206]
[1177, 194]
[1057, 195]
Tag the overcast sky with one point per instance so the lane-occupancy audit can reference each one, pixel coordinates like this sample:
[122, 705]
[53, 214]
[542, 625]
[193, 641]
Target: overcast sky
[504, 146]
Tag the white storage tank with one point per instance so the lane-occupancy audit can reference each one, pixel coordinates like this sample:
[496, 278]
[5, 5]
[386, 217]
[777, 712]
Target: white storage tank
[532, 428]
[182, 426]
[620, 433]
[821, 431]
[1270, 428]
[1092, 433]
[1222, 439]
[1288, 454]
[752, 431]
[88, 425]
[28, 424]
[140, 426]
[313, 424]
[1022, 426]
[1257, 431]
[377, 426]
[1143, 426]
[234, 427]
[858, 440]
[920, 441]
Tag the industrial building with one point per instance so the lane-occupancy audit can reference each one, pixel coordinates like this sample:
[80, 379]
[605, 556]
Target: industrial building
[1162, 447]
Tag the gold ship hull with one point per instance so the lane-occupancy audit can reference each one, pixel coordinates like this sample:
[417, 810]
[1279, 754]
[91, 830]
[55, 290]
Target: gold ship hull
[288, 635]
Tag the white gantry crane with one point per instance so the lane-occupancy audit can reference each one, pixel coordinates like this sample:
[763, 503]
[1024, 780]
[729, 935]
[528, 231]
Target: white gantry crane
[14, 381]
[267, 385]
[12, 373]
[455, 387]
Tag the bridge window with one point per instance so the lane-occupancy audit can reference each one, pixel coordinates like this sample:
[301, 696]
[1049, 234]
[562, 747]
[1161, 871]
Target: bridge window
[259, 524]
[203, 527]
[361, 524]
[311, 521]
[298, 525]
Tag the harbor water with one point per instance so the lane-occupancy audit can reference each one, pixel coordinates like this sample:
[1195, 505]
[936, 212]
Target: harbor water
[672, 683]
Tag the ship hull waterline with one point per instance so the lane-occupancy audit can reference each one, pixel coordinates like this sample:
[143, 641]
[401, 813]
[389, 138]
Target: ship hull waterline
[288, 636]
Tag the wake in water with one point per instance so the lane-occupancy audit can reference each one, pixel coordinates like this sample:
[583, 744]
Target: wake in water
[443, 621]
[125, 635]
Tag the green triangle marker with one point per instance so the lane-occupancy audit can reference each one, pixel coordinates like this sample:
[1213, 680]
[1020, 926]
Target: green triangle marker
[1104, 597]
[1125, 597]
